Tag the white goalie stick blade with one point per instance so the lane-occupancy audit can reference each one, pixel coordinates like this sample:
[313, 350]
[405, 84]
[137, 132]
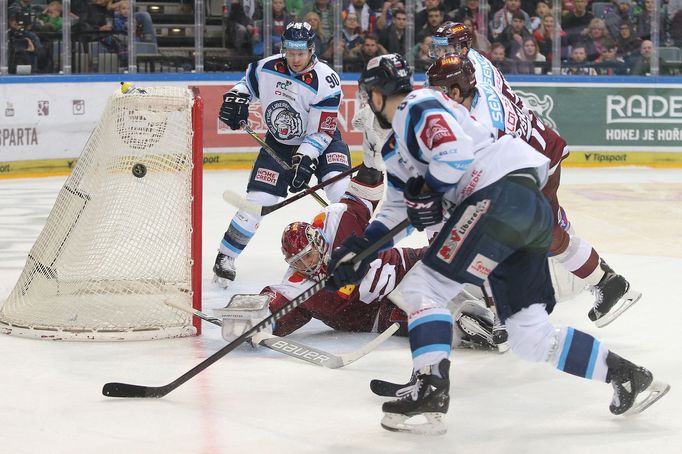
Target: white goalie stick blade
[623, 304]
[399, 423]
[241, 203]
[302, 351]
[655, 391]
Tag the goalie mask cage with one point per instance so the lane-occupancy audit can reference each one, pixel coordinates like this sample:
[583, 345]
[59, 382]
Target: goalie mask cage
[124, 235]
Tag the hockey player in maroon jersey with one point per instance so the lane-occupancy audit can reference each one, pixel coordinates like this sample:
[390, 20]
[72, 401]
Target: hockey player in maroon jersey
[612, 291]
[362, 307]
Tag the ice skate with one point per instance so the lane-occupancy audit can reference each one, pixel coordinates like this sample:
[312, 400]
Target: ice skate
[429, 397]
[224, 270]
[634, 388]
[613, 297]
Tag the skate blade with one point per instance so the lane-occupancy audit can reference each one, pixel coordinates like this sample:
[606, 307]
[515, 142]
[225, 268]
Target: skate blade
[626, 301]
[221, 281]
[398, 423]
[654, 392]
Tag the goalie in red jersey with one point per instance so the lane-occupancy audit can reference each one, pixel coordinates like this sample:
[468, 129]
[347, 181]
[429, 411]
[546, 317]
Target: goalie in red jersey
[363, 307]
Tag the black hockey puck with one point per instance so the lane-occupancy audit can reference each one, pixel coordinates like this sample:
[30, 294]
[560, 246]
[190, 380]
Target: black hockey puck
[139, 170]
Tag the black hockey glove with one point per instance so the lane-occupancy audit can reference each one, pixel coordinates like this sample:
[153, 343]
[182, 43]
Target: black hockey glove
[345, 273]
[423, 209]
[235, 109]
[304, 167]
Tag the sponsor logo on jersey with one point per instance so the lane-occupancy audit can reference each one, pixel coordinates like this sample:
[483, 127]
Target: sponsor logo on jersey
[481, 266]
[283, 84]
[461, 230]
[541, 107]
[473, 182]
[283, 121]
[345, 291]
[336, 158]
[328, 123]
[436, 132]
[267, 176]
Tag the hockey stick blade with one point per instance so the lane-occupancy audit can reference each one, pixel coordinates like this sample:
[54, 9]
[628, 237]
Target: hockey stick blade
[129, 390]
[302, 351]
[240, 202]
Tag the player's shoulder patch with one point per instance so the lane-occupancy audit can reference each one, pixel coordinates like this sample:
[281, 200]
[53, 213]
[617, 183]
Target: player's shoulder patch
[436, 131]
[276, 64]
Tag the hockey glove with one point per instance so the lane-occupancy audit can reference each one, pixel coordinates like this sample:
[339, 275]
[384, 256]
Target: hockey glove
[342, 270]
[235, 109]
[423, 209]
[304, 168]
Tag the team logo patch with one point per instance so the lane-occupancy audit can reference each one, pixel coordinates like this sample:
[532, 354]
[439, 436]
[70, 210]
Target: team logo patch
[436, 132]
[336, 158]
[283, 121]
[481, 266]
[267, 176]
[280, 67]
[307, 78]
[461, 230]
[328, 123]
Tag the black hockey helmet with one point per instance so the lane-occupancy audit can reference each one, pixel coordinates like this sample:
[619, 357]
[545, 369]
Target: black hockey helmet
[452, 70]
[390, 74]
[451, 37]
[299, 36]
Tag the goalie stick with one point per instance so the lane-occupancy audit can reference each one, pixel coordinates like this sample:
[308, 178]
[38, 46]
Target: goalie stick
[302, 351]
[114, 389]
[273, 154]
[240, 202]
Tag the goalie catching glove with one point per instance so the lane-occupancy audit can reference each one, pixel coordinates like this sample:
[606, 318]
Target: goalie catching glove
[235, 109]
[304, 167]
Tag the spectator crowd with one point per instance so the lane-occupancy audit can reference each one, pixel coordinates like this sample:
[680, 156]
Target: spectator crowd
[596, 38]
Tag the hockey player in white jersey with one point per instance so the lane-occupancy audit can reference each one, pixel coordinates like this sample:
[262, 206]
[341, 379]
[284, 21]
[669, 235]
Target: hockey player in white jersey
[499, 230]
[613, 292]
[300, 97]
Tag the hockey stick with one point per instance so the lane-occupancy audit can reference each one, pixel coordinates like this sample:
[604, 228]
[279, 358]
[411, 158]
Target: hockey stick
[114, 389]
[240, 202]
[273, 154]
[301, 351]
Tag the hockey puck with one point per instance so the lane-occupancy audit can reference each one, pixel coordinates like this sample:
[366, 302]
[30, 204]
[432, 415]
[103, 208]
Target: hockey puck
[139, 170]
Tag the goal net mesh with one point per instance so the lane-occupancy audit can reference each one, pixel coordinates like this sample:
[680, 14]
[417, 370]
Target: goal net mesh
[117, 243]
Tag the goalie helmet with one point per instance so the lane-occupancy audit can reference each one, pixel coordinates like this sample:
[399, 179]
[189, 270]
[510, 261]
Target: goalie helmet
[305, 248]
[451, 70]
[451, 37]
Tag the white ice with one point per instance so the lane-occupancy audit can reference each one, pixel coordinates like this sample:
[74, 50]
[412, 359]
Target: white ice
[256, 400]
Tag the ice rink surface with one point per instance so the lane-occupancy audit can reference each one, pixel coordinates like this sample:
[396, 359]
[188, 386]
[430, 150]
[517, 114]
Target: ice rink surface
[259, 401]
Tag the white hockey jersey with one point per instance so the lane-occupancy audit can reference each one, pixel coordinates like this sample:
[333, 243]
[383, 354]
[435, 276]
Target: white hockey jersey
[438, 139]
[298, 109]
[486, 73]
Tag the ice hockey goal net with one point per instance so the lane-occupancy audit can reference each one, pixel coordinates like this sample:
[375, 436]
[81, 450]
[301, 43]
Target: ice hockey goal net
[124, 235]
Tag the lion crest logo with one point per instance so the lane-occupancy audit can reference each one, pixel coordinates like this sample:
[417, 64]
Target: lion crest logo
[540, 107]
[283, 121]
